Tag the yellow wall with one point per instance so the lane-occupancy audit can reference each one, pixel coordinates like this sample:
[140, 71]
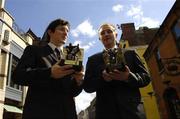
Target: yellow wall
[149, 101]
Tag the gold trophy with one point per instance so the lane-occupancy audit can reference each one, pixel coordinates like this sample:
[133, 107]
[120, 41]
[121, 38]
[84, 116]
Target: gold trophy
[73, 55]
[114, 59]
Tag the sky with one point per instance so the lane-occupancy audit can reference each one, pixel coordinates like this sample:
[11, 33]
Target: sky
[85, 16]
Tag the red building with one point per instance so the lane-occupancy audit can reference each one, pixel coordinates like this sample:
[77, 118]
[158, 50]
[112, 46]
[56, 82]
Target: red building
[163, 59]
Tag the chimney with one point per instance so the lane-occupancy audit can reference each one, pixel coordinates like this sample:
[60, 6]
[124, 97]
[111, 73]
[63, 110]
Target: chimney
[128, 32]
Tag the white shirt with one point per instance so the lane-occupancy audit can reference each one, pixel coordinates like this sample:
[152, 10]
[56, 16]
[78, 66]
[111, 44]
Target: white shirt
[60, 48]
[53, 47]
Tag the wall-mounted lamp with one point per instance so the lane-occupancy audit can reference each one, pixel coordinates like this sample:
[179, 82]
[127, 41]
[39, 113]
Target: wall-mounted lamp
[171, 65]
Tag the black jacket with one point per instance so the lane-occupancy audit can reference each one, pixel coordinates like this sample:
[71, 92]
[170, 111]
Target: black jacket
[116, 99]
[46, 97]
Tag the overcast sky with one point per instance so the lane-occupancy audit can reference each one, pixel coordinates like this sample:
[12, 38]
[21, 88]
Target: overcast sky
[85, 16]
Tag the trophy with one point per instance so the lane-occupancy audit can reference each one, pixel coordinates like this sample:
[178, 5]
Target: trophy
[114, 59]
[73, 55]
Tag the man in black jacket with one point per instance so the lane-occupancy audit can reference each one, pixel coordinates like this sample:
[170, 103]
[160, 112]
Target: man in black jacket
[117, 90]
[51, 87]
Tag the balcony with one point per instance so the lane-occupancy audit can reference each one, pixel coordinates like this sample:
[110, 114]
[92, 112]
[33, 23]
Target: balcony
[14, 94]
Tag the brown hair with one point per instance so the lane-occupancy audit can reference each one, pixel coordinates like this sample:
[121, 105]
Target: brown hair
[52, 26]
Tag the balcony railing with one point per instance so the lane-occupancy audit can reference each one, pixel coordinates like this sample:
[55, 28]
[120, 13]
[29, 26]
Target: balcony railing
[19, 31]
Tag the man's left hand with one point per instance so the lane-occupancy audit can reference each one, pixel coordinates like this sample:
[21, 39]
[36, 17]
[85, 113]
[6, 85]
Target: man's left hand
[78, 76]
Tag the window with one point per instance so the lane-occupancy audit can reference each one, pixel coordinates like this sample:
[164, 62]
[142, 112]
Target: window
[159, 60]
[13, 61]
[176, 32]
[172, 102]
[13, 91]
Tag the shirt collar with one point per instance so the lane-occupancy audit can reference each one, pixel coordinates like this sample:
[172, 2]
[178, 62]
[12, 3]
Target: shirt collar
[115, 47]
[53, 46]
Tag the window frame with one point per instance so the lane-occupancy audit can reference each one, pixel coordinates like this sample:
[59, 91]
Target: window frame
[159, 60]
[12, 59]
[175, 36]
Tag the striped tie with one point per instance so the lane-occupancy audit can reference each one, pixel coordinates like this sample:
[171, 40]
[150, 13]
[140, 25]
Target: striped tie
[58, 55]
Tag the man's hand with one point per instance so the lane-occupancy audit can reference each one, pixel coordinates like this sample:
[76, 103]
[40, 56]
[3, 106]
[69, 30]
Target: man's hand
[116, 75]
[106, 76]
[78, 76]
[61, 71]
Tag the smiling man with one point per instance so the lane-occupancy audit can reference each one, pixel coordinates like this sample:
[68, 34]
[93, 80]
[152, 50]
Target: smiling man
[117, 91]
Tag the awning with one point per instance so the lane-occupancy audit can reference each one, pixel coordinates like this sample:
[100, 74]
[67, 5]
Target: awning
[13, 109]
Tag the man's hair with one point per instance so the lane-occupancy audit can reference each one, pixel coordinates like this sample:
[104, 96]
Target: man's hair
[107, 24]
[52, 26]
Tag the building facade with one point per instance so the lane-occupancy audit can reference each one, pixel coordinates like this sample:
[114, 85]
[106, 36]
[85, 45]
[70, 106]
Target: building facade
[163, 59]
[138, 40]
[139, 37]
[12, 44]
[89, 112]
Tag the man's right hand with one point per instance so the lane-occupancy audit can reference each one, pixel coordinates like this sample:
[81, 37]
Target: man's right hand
[116, 75]
[106, 76]
[61, 71]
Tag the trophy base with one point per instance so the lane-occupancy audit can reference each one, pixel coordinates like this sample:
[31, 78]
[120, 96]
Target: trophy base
[112, 67]
[75, 67]
[121, 67]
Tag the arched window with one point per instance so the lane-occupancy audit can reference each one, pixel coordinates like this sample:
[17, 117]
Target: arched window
[172, 102]
[176, 32]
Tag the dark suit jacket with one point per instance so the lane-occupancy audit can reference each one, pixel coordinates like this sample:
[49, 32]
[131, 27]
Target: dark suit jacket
[116, 99]
[46, 97]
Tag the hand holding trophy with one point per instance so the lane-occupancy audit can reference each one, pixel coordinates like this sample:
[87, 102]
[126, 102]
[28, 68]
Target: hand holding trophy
[73, 55]
[114, 59]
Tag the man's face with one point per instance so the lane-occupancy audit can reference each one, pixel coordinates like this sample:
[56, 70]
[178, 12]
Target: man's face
[107, 35]
[59, 36]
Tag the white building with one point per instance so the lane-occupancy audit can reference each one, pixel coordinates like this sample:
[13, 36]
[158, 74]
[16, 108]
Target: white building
[12, 44]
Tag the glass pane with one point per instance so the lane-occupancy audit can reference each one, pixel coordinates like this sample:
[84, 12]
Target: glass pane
[14, 64]
[177, 29]
[159, 61]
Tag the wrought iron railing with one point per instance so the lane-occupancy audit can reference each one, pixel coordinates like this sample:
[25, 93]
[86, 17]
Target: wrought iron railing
[19, 31]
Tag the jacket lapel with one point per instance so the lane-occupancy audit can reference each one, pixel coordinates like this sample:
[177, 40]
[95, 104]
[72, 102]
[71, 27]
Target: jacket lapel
[48, 56]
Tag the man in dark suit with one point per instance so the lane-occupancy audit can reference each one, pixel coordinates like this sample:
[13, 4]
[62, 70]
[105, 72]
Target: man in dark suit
[51, 87]
[117, 90]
